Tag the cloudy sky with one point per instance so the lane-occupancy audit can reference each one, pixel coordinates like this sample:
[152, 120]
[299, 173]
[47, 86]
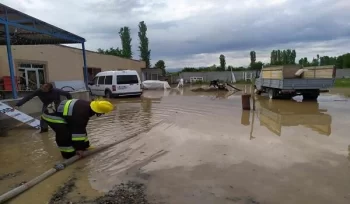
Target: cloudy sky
[195, 32]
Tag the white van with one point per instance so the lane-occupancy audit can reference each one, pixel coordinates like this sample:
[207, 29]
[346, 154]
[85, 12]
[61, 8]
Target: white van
[116, 83]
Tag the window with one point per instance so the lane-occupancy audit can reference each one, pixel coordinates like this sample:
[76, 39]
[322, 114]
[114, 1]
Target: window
[108, 80]
[127, 79]
[25, 65]
[101, 80]
[95, 80]
[37, 66]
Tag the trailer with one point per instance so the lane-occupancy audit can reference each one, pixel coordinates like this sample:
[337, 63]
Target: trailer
[287, 81]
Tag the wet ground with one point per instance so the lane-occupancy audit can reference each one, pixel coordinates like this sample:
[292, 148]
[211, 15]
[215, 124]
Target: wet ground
[196, 148]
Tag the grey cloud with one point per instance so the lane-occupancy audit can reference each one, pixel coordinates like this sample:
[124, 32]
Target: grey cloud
[295, 22]
[315, 22]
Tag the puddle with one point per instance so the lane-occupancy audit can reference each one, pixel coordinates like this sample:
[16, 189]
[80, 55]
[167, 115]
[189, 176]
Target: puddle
[204, 149]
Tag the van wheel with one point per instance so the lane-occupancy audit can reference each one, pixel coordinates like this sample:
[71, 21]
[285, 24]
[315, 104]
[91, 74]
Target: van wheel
[108, 94]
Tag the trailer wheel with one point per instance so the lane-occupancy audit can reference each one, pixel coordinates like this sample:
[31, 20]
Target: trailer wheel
[272, 94]
[310, 97]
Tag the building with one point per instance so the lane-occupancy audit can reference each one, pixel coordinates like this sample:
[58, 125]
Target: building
[152, 74]
[37, 64]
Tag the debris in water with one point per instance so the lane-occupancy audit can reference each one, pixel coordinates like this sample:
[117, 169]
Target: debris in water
[130, 193]
[19, 184]
[60, 196]
[207, 89]
[10, 175]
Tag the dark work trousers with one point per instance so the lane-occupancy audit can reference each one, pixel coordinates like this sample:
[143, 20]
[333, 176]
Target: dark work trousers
[43, 123]
[79, 136]
[63, 135]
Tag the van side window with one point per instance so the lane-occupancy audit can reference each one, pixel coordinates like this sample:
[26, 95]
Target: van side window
[101, 80]
[108, 80]
[127, 79]
[95, 80]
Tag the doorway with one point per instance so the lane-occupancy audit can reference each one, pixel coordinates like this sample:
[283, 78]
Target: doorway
[32, 76]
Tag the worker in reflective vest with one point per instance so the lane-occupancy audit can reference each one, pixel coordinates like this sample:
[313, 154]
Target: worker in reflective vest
[69, 123]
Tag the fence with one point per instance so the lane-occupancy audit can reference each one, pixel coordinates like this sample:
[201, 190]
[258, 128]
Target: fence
[209, 76]
[239, 75]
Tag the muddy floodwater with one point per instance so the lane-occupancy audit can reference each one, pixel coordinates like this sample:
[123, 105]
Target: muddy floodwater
[198, 148]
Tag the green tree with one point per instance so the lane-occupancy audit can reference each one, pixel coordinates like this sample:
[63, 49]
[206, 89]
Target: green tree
[346, 60]
[288, 56]
[305, 62]
[111, 51]
[222, 62]
[252, 57]
[314, 62]
[257, 65]
[229, 68]
[301, 61]
[293, 57]
[273, 58]
[125, 38]
[160, 65]
[279, 57]
[145, 53]
[339, 62]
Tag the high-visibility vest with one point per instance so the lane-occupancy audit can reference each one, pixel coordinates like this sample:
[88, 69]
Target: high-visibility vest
[66, 107]
[53, 119]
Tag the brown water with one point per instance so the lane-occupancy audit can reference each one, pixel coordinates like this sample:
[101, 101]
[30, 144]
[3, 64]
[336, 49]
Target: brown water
[204, 149]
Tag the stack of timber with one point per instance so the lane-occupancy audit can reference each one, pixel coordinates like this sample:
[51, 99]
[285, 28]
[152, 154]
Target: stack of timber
[289, 72]
[280, 72]
[318, 72]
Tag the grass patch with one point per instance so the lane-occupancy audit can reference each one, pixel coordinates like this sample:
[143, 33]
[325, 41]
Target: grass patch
[243, 82]
[342, 83]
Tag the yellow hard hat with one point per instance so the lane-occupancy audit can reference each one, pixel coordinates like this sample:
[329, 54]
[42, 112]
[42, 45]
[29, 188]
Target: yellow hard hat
[101, 106]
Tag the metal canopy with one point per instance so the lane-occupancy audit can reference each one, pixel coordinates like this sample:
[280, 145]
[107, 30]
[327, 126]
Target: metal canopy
[27, 30]
[17, 28]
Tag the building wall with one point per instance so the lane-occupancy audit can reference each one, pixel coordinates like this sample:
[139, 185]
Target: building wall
[147, 74]
[343, 73]
[63, 63]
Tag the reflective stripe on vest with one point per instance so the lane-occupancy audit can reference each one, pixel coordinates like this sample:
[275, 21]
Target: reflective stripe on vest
[67, 149]
[66, 107]
[52, 119]
[79, 137]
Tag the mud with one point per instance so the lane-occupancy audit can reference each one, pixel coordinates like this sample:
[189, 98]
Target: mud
[60, 196]
[128, 193]
[131, 193]
[10, 175]
[197, 147]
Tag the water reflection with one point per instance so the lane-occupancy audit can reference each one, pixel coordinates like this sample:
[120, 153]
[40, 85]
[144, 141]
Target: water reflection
[274, 114]
[245, 118]
[176, 91]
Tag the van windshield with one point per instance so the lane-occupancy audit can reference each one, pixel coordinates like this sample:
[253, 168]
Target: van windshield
[127, 79]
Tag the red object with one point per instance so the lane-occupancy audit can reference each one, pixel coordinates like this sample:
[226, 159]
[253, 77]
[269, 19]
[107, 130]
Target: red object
[8, 84]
